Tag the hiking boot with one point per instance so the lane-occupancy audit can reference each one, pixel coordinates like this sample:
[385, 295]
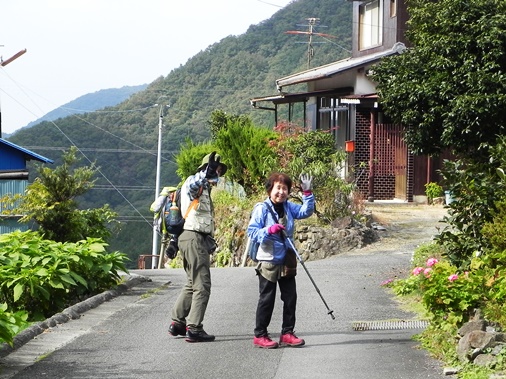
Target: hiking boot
[177, 329]
[198, 336]
[290, 339]
[265, 342]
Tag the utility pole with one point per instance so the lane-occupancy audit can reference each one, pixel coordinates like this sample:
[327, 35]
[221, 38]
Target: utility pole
[312, 21]
[5, 63]
[154, 251]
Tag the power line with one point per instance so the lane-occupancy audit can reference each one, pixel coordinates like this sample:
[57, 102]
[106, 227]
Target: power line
[274, 5]
[105, 187]
[98, 150]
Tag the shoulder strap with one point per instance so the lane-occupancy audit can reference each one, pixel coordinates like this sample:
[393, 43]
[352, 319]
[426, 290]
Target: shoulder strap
[192, 205]
[274, 216]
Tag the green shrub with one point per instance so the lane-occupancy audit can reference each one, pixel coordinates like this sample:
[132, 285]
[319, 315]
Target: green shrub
[447, 295]
[495, 231]
[314, 153]
[425, 251]
[433, 190]
[43, 277]
[246, 150]
[477, 188]
[190, 157]
[232, 215]
[11, 323]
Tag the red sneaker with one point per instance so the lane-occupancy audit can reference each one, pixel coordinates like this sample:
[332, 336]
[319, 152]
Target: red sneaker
[265, 342]
[290, 339]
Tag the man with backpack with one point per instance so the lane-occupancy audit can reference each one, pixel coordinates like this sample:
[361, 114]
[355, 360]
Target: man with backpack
[196, 243]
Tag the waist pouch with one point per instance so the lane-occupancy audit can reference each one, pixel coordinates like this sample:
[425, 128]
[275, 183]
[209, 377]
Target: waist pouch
[290, 264]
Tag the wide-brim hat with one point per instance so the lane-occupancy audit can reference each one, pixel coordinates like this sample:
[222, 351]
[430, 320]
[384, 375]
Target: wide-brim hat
[217, 158]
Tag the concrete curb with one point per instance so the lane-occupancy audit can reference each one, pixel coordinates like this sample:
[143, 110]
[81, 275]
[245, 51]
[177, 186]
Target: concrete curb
[71, 313]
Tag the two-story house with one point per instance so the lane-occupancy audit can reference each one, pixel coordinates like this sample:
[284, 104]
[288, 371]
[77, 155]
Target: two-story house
[341, 98]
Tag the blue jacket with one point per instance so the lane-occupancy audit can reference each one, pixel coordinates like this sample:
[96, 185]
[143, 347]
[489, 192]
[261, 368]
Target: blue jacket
[272, 246]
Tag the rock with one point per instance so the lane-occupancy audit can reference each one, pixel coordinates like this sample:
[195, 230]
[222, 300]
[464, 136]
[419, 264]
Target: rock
[471, 326]
[484, 360]
[438, 201]
[473, 343]
[377, 226]
[450, 371]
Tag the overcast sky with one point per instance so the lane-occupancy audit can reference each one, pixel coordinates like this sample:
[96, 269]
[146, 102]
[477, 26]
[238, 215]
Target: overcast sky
[75, 47]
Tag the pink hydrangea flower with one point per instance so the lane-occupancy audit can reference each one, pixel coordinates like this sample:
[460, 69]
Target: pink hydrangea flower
[431, 262]
[427, 271]
[387, 282]
[453, 277]
[417, 270]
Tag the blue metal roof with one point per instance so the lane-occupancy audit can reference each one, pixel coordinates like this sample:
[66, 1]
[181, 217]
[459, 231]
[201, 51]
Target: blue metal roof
[28, 154]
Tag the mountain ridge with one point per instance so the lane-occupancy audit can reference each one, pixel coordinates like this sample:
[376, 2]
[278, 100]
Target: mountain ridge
[89, 102]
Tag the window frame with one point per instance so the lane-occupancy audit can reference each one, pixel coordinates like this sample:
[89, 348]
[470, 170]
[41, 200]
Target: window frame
[370, 24]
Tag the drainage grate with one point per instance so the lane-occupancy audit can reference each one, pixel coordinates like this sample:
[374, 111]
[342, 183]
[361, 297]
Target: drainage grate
[389, 325]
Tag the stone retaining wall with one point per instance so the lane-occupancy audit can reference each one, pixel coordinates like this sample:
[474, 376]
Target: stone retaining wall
[314, 242]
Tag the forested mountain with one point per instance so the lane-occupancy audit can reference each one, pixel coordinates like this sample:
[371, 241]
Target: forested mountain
[90, 102]
[123, 140]
[87, 103]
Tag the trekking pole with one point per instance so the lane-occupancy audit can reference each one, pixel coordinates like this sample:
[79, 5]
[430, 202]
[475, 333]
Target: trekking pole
[163, 247]
[330, 312]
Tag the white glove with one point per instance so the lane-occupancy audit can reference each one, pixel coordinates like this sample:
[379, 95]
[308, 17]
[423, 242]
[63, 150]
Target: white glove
[305, 182]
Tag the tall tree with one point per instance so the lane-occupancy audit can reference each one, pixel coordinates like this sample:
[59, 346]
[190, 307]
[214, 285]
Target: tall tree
[51, 201]
[449, 90]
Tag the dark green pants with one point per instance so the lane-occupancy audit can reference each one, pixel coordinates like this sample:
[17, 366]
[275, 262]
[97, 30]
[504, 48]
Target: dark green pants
[191, 304]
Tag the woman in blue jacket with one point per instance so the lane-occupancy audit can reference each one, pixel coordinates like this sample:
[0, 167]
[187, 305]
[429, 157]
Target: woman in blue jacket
[271, 223]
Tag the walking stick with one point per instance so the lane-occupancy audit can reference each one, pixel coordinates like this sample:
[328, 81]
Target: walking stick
[330, 312]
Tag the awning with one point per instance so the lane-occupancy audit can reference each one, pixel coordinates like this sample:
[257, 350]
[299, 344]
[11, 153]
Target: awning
[359, 99]
[300, 96]
[337, 67]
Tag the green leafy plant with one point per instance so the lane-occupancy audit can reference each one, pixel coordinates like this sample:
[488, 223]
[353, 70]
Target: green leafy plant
[42, 277]
[315, 153]
[447, 295]
[425, 251]
[246, 150]
[51, 202]
[11, 323]
[433, 190]
[477, 187]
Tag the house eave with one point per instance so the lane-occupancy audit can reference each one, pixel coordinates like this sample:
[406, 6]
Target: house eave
[335, 68]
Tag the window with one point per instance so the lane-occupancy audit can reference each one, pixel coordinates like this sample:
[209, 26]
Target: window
[370, 24]
[333, 117]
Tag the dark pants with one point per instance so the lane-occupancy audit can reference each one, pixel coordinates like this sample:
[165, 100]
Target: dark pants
[266, 302]
[191, 304]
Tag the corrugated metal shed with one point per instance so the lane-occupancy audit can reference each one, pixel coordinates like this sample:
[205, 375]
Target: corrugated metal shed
[14, 157]
[14, 179]
[9, 225]
[11, 187]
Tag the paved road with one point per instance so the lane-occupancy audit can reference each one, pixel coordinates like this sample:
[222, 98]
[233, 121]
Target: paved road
[127, 337]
